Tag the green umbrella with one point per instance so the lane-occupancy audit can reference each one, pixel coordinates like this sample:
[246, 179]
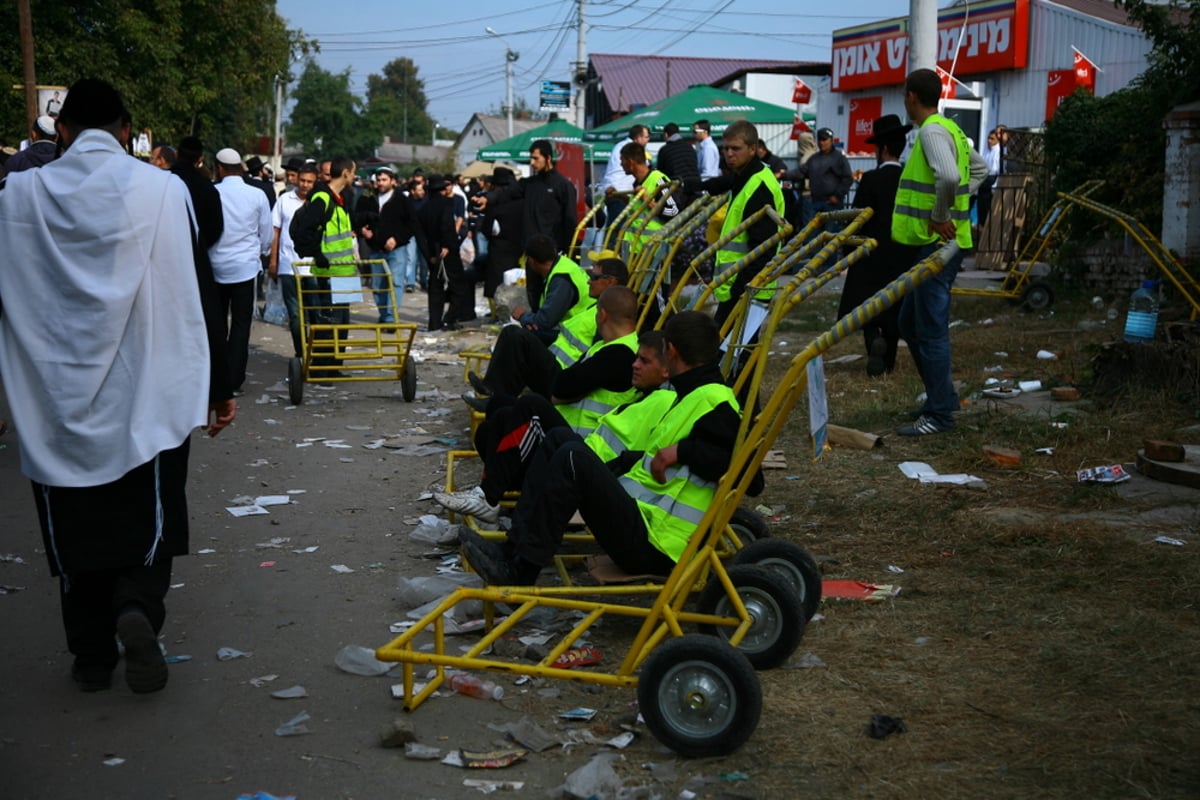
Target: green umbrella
[695, 103]
[516, 148]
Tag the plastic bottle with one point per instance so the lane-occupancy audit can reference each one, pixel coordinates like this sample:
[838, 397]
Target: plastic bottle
[1142, 319]
[475, 686]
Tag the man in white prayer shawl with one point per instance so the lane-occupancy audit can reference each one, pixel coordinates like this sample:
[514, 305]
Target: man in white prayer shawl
[105, 352]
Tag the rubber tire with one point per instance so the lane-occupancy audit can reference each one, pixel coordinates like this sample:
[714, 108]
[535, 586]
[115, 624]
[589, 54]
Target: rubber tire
[1038, 297]
[771, 601]
[749, 525]
[295, 381]
[685, 677]
[790, 560]
[408, 380]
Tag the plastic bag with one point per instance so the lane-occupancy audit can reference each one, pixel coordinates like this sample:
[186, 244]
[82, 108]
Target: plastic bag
[275, 312]
[466, 251]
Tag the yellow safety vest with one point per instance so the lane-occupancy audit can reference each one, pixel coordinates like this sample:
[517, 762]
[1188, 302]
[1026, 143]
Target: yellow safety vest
[629, 427]
[733, 217]
[583, 414]
[672, 510]
[578, 277]
[575, 336]
[642, 203]
[915, 198]
[337, 241]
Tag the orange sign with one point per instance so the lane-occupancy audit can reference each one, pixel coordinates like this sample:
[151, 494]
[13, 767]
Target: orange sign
[993, 36]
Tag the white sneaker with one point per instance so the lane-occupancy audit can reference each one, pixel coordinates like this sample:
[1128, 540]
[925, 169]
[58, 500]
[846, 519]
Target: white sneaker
[470, 503]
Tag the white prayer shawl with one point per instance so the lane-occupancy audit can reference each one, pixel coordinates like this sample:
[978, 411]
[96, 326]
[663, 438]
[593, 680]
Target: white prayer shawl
[103, 347]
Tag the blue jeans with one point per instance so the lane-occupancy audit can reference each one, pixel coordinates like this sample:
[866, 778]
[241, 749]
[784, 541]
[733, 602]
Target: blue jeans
[412, 258]
[925, 325]
[396, 264]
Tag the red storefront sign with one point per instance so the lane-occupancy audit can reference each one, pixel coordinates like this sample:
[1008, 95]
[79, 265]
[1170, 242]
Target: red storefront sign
[996, 37]
[801, 94]
[1085, 72]
[1060, 84]
[863, 113]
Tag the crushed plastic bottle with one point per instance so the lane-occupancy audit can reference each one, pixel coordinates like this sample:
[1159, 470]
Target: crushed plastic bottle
[1142, 319]
[475, 686]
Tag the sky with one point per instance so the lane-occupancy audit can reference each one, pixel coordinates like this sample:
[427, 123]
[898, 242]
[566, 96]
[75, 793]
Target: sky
[463, 66]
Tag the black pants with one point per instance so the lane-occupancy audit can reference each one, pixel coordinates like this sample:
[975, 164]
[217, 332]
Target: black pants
[503, 255]
[92, 601]
[448, 284]
[565, 476]
[521, 359]
[237, 301]
[509, 437]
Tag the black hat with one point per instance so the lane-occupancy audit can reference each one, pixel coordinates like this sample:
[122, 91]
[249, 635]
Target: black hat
[254, 164]
[886, 128]
[502, 176]
[294, 163]
[92, 103]
[436, 183]
[824, 133]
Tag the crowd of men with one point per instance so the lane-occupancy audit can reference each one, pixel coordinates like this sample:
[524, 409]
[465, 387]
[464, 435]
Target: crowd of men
[146, 282]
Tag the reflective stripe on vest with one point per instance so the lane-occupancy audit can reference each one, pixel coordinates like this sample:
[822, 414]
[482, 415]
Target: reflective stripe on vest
[583, 414]
[737, 209]
[575, 336]
[629, 427]
[918, 193]
[337, 240]
[644, 201]
[669, 509]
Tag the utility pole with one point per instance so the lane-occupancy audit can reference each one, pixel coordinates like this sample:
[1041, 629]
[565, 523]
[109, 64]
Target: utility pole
[581, 66]
[277, 154]
[922, 34]
[25, 24]
[510, 58]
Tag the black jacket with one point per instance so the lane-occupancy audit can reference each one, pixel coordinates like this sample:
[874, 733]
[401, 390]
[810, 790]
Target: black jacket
[548, 206]
[677, 160]
[436, 217]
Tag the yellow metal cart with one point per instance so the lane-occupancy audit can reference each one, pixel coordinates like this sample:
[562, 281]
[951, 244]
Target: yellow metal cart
[698, 693]
[335, 349]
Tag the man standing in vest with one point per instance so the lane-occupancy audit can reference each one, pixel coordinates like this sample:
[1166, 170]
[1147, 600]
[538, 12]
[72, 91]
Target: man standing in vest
[933, 207]
[643, 506]
[754, 186]
[646, 183]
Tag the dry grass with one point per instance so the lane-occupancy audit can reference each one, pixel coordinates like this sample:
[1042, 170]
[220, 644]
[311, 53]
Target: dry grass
[1034, 650]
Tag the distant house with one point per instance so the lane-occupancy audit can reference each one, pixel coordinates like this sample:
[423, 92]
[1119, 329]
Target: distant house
[407, 153]
[484, 130]
[618, 84]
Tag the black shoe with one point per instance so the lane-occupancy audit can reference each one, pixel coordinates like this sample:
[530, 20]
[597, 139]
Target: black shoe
[145, 667]
[477, 383]
[91, 679]
[499, 571]
[875, 365]
[479, 404]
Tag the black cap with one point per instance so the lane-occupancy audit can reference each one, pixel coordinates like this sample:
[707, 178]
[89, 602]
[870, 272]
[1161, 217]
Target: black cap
[294, 163]
[824, 133]
[92, 103]
[254, 165]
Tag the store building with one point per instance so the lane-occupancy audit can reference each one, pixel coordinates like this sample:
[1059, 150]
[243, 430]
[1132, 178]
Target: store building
[1014, 61]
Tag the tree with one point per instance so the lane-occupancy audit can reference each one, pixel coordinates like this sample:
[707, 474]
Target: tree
[327, 119]
[181, 66]
[397, 103]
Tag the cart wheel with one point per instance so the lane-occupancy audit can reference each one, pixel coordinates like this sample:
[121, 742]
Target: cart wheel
[699, 696]
[408, 381]
[295, 381]
[774, 607]
[792, 562]
[749, 525]
[1037, 297]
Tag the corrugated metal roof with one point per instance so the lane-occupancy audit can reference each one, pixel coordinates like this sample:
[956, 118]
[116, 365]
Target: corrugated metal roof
[639, 80]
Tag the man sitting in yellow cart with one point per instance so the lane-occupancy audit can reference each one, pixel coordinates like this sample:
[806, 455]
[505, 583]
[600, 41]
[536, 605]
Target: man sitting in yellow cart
[642, 506]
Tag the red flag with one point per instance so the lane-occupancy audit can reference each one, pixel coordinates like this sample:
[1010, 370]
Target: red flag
[948, 87]
[1085, 72]
[1059, 86]
[799, 126]
[801, 94]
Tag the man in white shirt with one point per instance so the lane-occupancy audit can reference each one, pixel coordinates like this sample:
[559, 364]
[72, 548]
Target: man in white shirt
[283, 251]
[617, 184]
[107, 358]
[708, 158]
[237, 256]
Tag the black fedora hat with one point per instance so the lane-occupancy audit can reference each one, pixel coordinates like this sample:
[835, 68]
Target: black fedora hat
[887, 127]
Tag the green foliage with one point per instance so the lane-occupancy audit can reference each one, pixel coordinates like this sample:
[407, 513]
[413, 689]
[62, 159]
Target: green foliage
[396, 103]
[1174, 72]
[327, 119]
[183, 67]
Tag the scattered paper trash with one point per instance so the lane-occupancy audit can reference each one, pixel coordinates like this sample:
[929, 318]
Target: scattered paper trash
[597, 778]
[1113, 473]
[294, 726]
[577, 657]
[421, 752]
[229, 654]
[247, 511]
[915, 469]
[858, 590]
[290, 693]
[262, 680]
[1046, 355]
[1046, 451]
[493, 759]
[528, 733]
[113, 762]
[734, 777]
[1170, 540]
[272, 500]
[580, 714]
[359, 660]
[806, 661]
[341, 568]
[1029, 386]
[181, 659]
[487, 787]
[1002, 392]
[267, 564]
[894, 569]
